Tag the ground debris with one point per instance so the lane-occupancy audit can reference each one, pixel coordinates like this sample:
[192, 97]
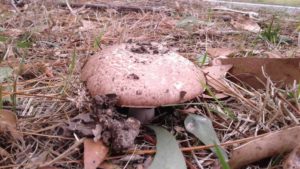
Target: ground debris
[106, 124]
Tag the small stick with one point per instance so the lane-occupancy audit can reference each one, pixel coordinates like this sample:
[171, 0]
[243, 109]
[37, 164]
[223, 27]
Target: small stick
[13, 3]
[102, 6]
[34, 95]
[188, 149]
[44, 135]
[70, 8]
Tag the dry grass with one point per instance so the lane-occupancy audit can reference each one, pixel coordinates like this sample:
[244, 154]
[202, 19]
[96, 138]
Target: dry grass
[46, 102]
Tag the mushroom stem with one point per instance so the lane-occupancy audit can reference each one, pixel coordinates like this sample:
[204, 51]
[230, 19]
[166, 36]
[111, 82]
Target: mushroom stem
[144, 115]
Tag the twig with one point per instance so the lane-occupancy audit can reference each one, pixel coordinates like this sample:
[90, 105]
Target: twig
[44, 135]
[189, 149]
[193, 154]
[70, 8]
[7, 52]
[14, 5]
[217, 32]
[33, 95]
[119, 8]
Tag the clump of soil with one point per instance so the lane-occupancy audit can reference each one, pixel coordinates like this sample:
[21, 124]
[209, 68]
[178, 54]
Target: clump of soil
[149, 48]
[106, 124]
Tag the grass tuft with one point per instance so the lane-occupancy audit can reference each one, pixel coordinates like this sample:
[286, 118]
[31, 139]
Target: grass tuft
[271, 33]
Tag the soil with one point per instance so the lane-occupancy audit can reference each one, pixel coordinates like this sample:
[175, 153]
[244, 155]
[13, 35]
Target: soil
[106, 124]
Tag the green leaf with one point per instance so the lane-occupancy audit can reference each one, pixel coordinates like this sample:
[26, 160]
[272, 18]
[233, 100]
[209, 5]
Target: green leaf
[203, 129]
[168, 155]
[5, 72]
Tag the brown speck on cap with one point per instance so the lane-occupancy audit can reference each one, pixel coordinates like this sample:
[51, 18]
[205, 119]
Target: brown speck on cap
[167, 78]
[182, 94]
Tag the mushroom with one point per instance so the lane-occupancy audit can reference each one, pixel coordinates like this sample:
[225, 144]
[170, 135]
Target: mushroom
[143, 77]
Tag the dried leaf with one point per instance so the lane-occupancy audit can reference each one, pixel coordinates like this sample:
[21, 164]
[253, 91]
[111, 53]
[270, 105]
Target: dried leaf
[8, 123]
[249, 70]
[247, 24]
[272, 144]
[168, 155]
[203, 129]
[293, 159]
[94, 153]
[221, 52]
[215, 76]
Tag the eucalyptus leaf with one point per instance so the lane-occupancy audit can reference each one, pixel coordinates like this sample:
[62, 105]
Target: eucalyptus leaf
[168, 154]
[203, 129]
[5, 72]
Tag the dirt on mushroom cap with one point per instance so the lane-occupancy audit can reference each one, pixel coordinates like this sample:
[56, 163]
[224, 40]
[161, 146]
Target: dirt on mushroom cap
[143, 75]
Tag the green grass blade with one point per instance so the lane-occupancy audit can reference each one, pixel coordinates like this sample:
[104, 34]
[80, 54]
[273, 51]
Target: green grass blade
[221, 157]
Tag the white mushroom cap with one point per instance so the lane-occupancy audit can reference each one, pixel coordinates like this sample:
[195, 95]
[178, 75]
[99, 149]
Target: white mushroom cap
[142, 79]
